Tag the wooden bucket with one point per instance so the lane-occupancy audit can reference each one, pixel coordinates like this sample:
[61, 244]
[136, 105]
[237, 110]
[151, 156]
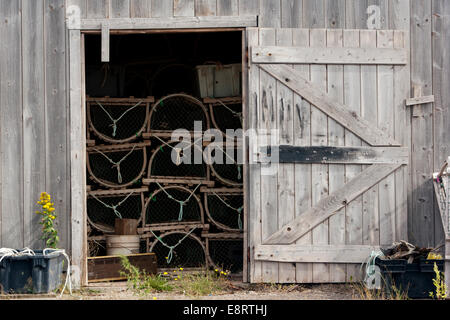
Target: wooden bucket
[122, 244]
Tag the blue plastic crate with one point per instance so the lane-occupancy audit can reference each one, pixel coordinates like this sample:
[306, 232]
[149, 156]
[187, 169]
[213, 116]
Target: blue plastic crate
[31, 274]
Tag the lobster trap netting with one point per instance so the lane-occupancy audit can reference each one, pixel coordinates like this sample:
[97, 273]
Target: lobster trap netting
[226, 115]
[177, 111]
[118, 120]
[173, 204]
[225, 210]
[169, 161]
[117, 168]
[179, 249]
[229, 170]
[226, 254]
[103, 210]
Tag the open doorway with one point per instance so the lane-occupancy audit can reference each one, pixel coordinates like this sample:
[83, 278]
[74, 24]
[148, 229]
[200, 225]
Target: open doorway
[147, 191]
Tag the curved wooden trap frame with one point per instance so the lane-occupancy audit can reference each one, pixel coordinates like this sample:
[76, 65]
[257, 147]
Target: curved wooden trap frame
[213, 103]
[183, 233]
[220, 192]
[177, 179]
[114, 148]
[118, 102]
[225, 181]
[168, 133]
[211, 262]
[178, 223]
[112, 193]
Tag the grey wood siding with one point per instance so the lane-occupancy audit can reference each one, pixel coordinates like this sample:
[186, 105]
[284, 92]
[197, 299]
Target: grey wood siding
[34, 146]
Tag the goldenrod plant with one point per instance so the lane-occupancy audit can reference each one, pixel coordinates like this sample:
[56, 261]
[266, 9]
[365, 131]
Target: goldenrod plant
[439, 284]
[50, 234]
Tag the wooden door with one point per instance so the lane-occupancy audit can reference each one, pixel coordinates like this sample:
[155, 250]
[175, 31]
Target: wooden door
[337, 191]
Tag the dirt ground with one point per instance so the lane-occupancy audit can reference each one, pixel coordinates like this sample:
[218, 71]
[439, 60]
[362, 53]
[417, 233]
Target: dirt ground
[236, 291]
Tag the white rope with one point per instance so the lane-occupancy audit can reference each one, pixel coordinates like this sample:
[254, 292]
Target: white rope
[178, 150]
[114, 207]
[116, 164]
[181, 203]
[7, 252]
[370, 269]
[114, 121]
[236, 114]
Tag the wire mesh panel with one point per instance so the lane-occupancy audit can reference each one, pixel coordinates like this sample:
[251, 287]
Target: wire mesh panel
[103, 207]
[117, 165]
[179, 249]
[167, 162]
[177, 111]
[229, 172]
[118, 120]
[173, 205]
[225, 113]
[225, 209]
[226, 254]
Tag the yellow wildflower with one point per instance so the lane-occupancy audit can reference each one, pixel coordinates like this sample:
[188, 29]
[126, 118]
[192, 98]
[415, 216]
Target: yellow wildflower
[154, 298]
[181, 269]
[175, 279]
[165, 273]
[51, 209]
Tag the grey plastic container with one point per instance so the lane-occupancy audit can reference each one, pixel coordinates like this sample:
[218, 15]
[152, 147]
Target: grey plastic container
[31, 274]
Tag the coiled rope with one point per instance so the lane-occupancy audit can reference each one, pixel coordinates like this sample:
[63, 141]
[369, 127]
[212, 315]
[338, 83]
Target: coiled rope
[116, 164]
[238, 210]
[114, 207]
[114, 121]
[7, 252]
[181, 203]
[172, 248]
[370, 269]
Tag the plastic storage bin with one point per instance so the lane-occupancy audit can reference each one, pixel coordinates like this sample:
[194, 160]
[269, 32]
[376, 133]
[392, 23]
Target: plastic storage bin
[218, 81]
[416, 278]
[31, 274]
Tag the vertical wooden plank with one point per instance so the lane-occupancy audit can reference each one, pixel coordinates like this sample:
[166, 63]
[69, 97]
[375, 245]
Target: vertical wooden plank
[422, 218]
[441, 71]
[291, 13]
[400, 19]
[386, 120]
[77, 159]
[245, 148]
[12, 219]
[302, 137]
[254, 214]
[55, 113]
[269, 199]
[183, 8]
[335, 13]
[119, 8]
[162, 8]
[319, 172]
[357, 16]
[81, 4]
[370, 220]
[105, 42]
[97, 9]
[248, 7]
[227, 8]
[352, 98]
[205, 7]
[33, 117]
[336, 172]
[286, 178]
[269, 13]
[314, 13]
[140, 8]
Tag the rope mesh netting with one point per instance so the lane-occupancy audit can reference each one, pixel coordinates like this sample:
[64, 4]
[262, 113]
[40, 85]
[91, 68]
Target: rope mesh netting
[178, 111]
[227, 116]
[172, 204]
[227, 254]
[225, 210]
[102, 214]
[162, 164]
[118, 122]
[228, 173]
[117, 167]
[187, 252]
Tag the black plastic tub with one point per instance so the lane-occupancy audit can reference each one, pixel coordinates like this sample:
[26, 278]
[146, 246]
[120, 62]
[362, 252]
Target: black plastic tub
[31, 274]
[415, 279]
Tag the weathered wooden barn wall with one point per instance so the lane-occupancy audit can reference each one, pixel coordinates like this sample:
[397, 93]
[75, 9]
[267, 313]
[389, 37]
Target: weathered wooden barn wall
[33, 92]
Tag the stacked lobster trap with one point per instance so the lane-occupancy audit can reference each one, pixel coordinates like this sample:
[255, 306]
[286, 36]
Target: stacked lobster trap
[146, 162]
